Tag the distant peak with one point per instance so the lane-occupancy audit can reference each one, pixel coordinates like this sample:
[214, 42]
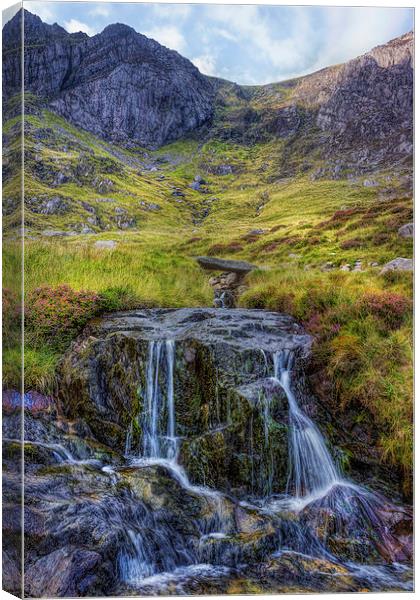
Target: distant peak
[117, 29]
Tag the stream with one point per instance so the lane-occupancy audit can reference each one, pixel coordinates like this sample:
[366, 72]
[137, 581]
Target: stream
[159, 523]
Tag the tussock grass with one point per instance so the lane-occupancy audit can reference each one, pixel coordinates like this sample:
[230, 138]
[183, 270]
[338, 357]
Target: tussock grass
[155, 276]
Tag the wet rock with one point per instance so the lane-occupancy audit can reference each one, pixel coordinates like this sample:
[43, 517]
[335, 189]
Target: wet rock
[223, 433]
[65, 572]
[302, 572]
[32, 401]
[226, 286]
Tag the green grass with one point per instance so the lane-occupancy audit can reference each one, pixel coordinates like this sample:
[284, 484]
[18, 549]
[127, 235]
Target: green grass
[156, 275]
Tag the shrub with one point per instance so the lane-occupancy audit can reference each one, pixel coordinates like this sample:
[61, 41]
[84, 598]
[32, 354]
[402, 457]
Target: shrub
[217, 249]
[350, 244]
[390, 307]
[57, 315]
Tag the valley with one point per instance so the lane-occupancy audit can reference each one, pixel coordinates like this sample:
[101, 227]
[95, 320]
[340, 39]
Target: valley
[135, 164]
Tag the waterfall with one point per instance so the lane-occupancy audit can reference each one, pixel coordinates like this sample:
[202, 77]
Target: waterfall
[326, 506]
[159, 440]
[171, 439]
[312, 469]
[337, 505]
[154, 546]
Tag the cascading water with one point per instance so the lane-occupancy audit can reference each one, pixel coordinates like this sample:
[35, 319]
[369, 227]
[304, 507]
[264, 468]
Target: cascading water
[159, 448]
[159, 441]
[157, 421]
[316, 491]
[315, 485]
[312, 470]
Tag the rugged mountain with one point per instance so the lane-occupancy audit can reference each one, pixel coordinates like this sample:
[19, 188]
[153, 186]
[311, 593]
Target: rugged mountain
[127, 88]
[118, 84]
[353, 117]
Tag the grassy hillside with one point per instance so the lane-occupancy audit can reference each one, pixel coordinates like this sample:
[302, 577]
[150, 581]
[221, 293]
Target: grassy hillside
[299, 231]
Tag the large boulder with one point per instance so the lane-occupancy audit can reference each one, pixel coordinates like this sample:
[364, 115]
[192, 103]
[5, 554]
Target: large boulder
[406, 231]
[398, 264]
[227, 438]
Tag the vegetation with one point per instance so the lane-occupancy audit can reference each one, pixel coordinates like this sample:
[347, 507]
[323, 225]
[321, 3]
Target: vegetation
[299, 229]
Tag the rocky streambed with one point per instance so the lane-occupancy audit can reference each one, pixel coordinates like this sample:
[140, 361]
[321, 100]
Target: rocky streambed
[185, 454]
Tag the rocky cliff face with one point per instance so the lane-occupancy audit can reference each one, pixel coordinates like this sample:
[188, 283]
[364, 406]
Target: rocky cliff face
[118, 84]
[349, 118]
[129, 89]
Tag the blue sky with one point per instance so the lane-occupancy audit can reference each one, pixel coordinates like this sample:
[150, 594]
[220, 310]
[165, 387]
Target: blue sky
[249, 44]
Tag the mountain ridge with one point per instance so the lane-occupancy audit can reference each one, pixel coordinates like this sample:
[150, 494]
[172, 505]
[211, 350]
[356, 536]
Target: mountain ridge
[129, 89]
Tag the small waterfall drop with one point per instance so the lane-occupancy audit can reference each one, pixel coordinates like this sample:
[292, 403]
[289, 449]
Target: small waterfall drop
[316, 487]
[159, 440]
[324, 503]
[137, 559]
[312, 469]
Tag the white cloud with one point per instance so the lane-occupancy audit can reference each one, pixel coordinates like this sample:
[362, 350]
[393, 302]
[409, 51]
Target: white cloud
[224, 33]
[169, 36]
[300, 40]
[285, 51]
[74, 26]
[100, 10]
[206, 63]
[354, 31]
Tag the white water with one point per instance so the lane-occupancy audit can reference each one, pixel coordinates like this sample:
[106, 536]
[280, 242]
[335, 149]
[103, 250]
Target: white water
[159, 439]
[60, 452]
[153, 553]
[159, 448]
[312, 471]
[315, 481]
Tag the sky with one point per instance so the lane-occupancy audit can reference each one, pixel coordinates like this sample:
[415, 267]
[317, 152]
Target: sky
[248, 44]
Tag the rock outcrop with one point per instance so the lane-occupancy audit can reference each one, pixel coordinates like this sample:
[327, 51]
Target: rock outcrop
[398, 264]
[118, 84]
[216, 354]
[230, 283]
[104, 516]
